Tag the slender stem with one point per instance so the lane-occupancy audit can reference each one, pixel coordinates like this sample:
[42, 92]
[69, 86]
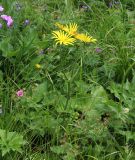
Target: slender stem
[68, 94]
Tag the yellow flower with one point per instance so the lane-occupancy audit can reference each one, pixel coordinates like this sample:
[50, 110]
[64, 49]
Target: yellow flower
[70, 29]
[85, 38]
[63, 38]
[38, 66]
[59, 25]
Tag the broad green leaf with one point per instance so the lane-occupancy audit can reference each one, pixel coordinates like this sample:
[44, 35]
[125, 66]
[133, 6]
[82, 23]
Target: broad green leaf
[10, 141]
[39, 92]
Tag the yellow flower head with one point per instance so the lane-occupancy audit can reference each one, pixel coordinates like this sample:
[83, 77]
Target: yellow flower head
[70, 29]
[70, 35]
[60, 26]
[85, 38]
[63, 38]
[38, 66]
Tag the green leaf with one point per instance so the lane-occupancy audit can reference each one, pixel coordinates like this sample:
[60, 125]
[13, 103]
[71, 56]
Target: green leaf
[58, 149]
[7, 48]
[39, 92]
[10, 141]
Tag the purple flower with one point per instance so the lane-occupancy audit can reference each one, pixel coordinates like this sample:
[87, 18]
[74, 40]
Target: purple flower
[0, 25]
[1, 8]
[98, 50]
[9, 22]
[4, 17]
[8, 19]
[26, 22]
[20, 93]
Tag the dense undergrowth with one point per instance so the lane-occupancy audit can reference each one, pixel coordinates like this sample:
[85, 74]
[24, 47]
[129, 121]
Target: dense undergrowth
[67, 102]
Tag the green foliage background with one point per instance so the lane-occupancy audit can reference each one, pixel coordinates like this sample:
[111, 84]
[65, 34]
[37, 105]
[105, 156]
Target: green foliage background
[80, 104]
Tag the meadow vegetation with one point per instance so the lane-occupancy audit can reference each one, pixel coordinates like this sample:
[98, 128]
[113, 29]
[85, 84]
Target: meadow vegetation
[67, 80]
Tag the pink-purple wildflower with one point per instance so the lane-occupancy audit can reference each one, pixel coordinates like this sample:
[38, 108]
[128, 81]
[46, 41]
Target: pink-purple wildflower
[20, 93]
[26, 22]
[8, 19]
[1, 9]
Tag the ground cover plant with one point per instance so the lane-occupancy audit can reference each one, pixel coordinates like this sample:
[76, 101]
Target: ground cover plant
[67, 80]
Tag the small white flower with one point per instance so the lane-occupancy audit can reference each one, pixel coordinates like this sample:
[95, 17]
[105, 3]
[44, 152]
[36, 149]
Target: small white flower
[126, 110]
